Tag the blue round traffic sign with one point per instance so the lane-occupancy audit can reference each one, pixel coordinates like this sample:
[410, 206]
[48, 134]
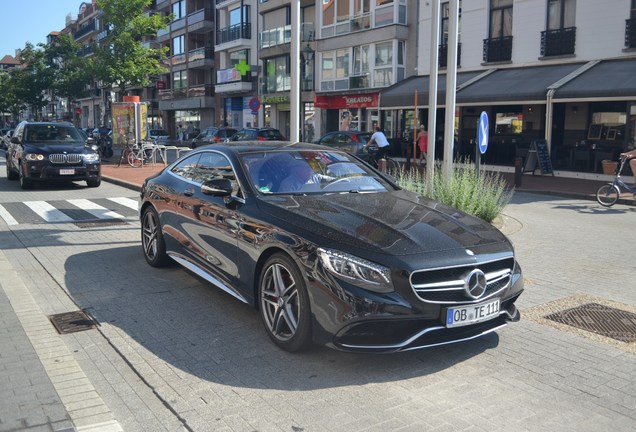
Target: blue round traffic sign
[482, 132]
[254, 104]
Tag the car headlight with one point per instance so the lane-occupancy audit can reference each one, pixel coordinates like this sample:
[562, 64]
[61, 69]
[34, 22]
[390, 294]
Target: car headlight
[91, 157]
[357, 271]
[34, 156]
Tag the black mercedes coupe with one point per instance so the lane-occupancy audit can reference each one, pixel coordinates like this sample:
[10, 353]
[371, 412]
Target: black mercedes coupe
[328, 249]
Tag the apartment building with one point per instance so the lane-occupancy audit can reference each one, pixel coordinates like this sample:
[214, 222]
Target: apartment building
[186, 92]
[559, 70]
[87, 29]
[274, 48]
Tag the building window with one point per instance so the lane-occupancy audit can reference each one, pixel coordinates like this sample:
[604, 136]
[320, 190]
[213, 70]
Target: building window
[361, 60]
[498, 47]
[179, 9]
[278, 74]
[178, 45]
[561, 14]
[509, 122]
[240, 15]
[500, 18]
[328, 66]
[237, 56]
[560, 36]
[342, 63]
[180, 80]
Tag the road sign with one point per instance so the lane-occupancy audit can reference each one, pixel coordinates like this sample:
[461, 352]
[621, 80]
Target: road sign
[482, 132]
[254, 104]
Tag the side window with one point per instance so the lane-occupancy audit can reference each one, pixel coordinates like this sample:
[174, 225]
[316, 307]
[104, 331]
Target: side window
[187, 167]
[215, 166]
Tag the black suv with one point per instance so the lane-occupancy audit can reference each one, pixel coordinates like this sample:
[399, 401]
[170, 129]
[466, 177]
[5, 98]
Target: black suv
[42, 152]
[258, 134]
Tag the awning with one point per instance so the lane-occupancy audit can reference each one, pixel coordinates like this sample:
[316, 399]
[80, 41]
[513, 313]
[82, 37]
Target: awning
[402, 94]
[607, 80]
[515, 85]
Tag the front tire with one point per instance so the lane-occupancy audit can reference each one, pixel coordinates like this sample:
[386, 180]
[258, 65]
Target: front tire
[284, 304]
[152, 240]
[93, 183]
[11, 175]
[607, 195]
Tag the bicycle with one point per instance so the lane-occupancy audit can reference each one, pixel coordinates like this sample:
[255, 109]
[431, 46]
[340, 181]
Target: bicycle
[608, 194]
[138, 155]
[390, 165]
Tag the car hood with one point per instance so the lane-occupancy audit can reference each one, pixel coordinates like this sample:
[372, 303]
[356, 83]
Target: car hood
[396, 223]
[74, 147]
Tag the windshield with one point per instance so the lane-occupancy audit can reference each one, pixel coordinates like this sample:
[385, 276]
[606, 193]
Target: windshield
[51, 134]
[310, 172]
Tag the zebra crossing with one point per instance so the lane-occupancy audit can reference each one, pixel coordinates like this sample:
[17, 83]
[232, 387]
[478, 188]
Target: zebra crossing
[70, 210]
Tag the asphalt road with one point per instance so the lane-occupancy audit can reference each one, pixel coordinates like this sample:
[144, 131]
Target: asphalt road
[173, 353]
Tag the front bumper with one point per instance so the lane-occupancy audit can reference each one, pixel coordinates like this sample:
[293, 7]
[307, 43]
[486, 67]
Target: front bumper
[47, 172]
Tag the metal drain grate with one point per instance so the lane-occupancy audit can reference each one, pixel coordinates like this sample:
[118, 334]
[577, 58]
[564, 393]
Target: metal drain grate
[604, 320]
[71, 322]
[100, 223]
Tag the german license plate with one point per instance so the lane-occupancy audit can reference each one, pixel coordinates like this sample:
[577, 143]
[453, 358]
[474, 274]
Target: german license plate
[67, 172]
[465, 315]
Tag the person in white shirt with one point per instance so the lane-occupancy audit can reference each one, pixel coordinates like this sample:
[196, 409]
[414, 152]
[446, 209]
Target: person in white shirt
[380, 140]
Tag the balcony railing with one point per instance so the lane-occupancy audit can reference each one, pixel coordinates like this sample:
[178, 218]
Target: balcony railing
[200, 54]
[282, 35]
[235, 32]
[199, 90]
[443, 55]
[86, 50]
[89, 28]
[498, 49]
[630, 33]
[558, 42]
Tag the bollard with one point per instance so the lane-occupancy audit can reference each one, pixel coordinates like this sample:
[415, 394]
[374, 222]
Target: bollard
[382, 165]
[518, 171]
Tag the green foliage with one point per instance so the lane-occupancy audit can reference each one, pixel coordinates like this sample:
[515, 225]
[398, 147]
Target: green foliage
[121, 58]
[31, 82]
[484, 196]
[71, 73]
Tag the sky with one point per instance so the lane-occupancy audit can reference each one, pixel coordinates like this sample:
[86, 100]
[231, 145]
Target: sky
[32, 20]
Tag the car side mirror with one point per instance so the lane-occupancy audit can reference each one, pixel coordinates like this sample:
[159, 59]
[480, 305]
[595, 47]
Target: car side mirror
[220, 187]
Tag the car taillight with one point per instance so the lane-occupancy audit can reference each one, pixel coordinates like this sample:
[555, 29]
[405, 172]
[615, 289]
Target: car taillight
[260, 138]
[355, 138]
[217, 139]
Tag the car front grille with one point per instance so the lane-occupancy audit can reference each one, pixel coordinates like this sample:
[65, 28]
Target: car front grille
[66, 158]
[446, 285]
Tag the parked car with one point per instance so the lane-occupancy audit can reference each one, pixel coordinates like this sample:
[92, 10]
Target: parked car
[159, 136]
[44, 152]
[339, 255]
[257, 134]
[212, 135]
[5, 137]
[350, 141]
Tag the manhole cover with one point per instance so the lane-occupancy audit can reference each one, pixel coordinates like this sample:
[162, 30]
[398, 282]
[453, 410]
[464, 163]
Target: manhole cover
[100, 223]
[71, 322]
[604, 320]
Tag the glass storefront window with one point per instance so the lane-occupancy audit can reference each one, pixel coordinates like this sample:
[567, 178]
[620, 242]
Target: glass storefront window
[508, 123]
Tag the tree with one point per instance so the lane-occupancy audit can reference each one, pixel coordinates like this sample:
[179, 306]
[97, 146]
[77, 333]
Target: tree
[8, 101]
[31, 81]
[71, 73]
[121, 58]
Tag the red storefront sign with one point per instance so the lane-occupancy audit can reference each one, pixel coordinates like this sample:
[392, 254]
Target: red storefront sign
[348, 101]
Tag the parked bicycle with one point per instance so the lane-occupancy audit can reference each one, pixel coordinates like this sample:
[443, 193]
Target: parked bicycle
[608, 194]
[139, 154]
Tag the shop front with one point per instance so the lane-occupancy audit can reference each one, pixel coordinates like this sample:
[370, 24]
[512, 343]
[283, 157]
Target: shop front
[586, 112]
[354, 112]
